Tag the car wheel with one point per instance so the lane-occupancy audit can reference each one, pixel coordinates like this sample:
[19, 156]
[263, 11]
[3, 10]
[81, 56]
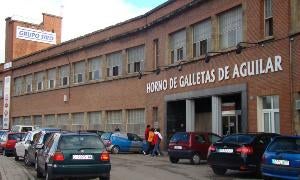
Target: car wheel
[4, 152]
[196, 159]
[48, 175]
[115, 150]
[38, 171]
[16, 157]
[173, 160]
[219, 171]
[26, 159]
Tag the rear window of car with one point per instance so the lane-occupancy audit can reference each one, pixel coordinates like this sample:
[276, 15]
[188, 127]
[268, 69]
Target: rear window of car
[238, 139]
[285, 144]
[15, 136]
[180, 137]
[80, 141]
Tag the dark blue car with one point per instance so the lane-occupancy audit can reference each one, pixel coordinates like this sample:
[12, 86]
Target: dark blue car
[282, 158]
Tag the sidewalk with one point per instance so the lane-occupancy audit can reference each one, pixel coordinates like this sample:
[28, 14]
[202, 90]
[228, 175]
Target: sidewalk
[9, 170]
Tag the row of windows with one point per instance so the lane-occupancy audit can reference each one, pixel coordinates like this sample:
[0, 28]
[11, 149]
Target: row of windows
[48, 79]
[94, 120]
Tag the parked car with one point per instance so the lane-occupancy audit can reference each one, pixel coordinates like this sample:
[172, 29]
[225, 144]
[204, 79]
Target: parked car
[22, 128]
[22, 146]
[116, 142]
[282, 158]
[238, 152]
[69, 154]
[190, 145]
[38, 141]
[8, 141]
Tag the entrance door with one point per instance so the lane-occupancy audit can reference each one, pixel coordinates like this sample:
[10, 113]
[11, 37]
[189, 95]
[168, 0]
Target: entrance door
[230, 124]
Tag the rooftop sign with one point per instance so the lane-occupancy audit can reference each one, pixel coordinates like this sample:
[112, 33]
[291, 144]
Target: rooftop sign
[35, 35]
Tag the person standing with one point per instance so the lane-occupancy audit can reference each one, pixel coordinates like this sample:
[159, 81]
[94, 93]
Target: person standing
[157, 139]
[146, 138]
[150, 141]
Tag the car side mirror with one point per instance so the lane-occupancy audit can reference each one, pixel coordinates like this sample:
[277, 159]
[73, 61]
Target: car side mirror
[39, 146]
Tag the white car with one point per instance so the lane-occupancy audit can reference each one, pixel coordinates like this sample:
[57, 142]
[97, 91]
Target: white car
[23, 145]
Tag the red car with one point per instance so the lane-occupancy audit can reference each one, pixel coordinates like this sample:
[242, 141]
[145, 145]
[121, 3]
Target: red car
[8, 141]
[190, 145]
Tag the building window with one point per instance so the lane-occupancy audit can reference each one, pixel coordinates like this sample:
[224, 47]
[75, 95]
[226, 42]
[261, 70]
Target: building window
[114, 120]
[27, 120]
[231, 28]
[178, 46]
[201, 38]
[51, 78]
[50, 120]
[79, 72]
[28, 83]
[136, 58]
[136, 121]
[17, 121]
[37, 121]
[18, 85]
[95, 72]
[268, 18]
[63, 121]
[78, 121]
[40, 76]
[64, 72]
[270, 114]
[114, 64]
[95, 121]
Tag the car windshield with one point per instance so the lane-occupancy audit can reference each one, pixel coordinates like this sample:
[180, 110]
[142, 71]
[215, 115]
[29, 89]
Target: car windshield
[80, 142]
[285, 144]
[238, 139]
[182, 137]
[106, 136]
[14, 136]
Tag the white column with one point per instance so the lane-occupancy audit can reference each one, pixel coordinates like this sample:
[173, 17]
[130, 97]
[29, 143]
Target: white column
[216, 115]
[190, 115]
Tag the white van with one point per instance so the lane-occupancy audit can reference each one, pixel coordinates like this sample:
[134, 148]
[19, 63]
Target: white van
[22, 128]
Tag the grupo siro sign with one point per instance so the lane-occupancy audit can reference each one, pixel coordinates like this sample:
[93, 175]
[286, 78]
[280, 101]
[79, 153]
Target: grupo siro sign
[35, 35]
[245, 69]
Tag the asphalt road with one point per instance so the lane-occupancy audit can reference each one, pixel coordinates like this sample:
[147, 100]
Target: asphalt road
[140, 167]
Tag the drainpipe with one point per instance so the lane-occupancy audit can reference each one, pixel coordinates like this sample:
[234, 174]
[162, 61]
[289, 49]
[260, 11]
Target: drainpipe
[293, 131]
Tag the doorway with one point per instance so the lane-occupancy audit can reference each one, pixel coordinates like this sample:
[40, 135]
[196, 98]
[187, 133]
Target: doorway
[231, 123]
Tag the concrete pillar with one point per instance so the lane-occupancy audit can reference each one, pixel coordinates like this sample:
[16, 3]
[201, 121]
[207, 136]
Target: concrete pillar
[190, 115]
[216, 115]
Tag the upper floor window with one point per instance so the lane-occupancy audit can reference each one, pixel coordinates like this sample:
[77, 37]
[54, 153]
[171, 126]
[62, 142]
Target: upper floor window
[178, 46]
[40, 76]
[95, 72]
[201, 38]
[64, 72]
[136, 58]
[231, 28]
[270, 114]
[18, 85]
[268, 18]
[51, 78]
[28, 83]
[79, 69]
[114, 64]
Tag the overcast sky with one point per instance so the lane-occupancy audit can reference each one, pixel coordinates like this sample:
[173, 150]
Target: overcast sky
[79, 16]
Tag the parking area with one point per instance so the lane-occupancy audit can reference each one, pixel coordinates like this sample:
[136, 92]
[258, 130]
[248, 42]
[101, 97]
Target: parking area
[133, 166]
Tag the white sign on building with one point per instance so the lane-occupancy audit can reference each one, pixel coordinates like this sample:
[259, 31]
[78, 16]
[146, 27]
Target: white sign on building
[6, 102]
[35, 35]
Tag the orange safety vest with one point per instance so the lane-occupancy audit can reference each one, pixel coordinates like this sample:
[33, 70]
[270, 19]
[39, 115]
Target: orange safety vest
[151, 136]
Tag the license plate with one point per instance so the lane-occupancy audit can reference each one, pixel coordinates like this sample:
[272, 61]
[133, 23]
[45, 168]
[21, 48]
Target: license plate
[177, 147]
[280, 162]
[82, 156]
[225, 150]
